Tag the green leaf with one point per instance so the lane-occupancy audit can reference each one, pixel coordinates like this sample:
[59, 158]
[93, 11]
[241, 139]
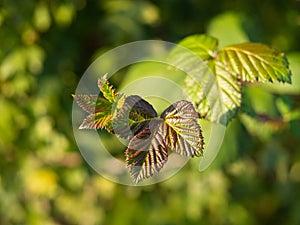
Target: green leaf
[183, 133]
[212, 88]
[217, 95]
[133, 116]
[283, 88]
[147, 152]
[215, 92]
[202, 45]
[106, 89]
[256, 62]
[229, 95]
[214, 79]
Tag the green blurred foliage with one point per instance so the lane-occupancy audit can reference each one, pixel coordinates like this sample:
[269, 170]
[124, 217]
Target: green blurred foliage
[45, 48]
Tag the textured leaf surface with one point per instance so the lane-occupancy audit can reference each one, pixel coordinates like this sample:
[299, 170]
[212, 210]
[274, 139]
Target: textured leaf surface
[213, 88]
[183, 133]
[177, 130]
[213, 81]
[147, 152]
[217, 95]
[150, 137]
[133, 116]
[256, 62]
[100, 109]
[96, 121]
[92, 103]
[106, 89]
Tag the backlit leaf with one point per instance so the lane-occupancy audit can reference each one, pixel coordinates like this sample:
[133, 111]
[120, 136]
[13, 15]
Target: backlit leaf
[217, 95]
[92, 103]
[256, 62]
[213, 81]
[183, 133]
[100, 109]
[147, 152]
[97, 120]
[203, 46]
[214, 90]
[209, 84]
[106, 89]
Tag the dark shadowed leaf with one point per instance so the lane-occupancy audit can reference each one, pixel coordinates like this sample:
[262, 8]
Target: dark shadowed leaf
[256, 62]
[133, 116]
[183, 133]
[177, 130]
[147, 152]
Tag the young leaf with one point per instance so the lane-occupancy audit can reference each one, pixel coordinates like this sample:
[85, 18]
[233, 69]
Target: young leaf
[106, 89]
[133, 116]
[96, 121]
[177, 130]
[86, 102]
[256, 62]
[183, 133]
[100, 109]
[147, 152]
[92, 103]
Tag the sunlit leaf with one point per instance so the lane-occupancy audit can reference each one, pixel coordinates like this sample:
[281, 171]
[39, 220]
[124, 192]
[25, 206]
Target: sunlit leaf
[183, 133]
[100, 109]
[215, 91]
[213, 81]
[147, 152]
[283, 88]
[229, 94]
[106, 89]
[97, 120]
[209, 84]
[256, 62]
[203, 46]
[133, 116]
[92, 103]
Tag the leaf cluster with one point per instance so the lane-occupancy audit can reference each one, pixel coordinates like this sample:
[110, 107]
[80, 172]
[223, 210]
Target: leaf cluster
[215, 77]
[150, 137]
[213, 83]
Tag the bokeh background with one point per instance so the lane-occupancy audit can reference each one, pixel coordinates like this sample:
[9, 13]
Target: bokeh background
[45, 47]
